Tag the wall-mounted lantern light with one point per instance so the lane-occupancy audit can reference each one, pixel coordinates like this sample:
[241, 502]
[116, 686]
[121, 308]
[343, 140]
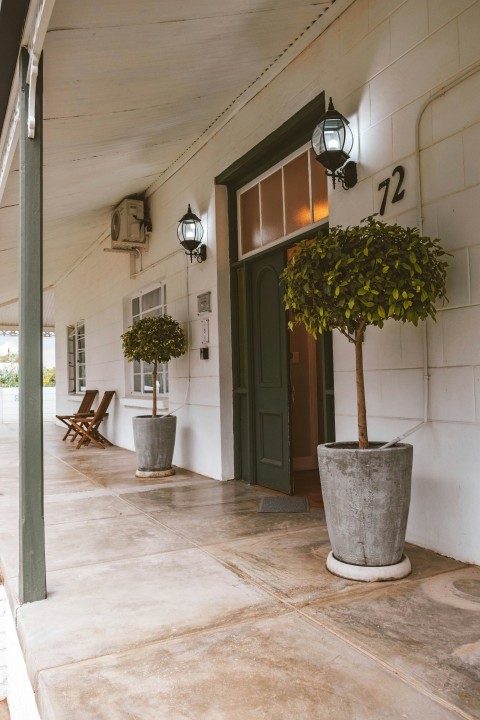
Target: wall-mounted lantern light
[332, 142]
[190, 233]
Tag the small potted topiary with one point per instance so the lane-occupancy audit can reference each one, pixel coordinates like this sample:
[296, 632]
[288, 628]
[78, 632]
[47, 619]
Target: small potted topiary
[346, 280]
[155, 340]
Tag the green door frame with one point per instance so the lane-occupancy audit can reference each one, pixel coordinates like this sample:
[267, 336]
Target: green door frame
[289, 137]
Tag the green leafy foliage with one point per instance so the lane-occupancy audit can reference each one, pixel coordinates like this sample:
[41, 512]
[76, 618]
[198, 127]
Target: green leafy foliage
[49, 377]
[9, 377]
[154, 339]
[362, 275]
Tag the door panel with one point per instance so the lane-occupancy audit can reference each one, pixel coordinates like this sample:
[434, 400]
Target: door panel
[270, 374]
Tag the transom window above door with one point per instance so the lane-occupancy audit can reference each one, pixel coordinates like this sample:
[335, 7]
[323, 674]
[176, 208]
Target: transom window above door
[289, 197]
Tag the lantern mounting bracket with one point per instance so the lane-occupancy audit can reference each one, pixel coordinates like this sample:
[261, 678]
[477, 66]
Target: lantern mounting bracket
[346, 175]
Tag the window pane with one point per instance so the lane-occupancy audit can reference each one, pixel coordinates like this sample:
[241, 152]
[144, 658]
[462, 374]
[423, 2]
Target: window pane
[81, 356]
[272, 208]
[151, 313]
[81, 329]
[319, 189]
[297, 194]
[81, 343]
[135, 318]
[136, 306]
[137, 383]
[250, 220]
[81, 371]
[136, 367]
[147, 384]
[164, 294]
[151, 300]
[160, 383]
[147, 368]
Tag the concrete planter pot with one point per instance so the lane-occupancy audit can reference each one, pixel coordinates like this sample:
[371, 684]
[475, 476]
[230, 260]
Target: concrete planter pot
[366, 494]
[154, 439]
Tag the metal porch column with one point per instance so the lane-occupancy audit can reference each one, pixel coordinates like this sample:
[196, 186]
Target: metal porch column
[32, 580]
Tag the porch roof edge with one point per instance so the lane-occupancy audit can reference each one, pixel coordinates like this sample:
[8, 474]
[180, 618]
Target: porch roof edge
[13, 14]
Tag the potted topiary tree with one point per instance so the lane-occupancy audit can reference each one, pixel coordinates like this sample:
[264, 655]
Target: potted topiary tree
[154, 340]
[346, 280]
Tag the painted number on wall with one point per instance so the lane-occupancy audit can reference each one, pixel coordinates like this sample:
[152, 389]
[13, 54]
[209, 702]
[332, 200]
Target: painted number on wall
[398, 194]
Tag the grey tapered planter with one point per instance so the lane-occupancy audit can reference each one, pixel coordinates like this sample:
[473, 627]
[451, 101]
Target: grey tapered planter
[154, 439]
[366, 494]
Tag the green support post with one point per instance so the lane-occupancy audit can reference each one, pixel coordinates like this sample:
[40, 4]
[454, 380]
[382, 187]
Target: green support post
[32, 573]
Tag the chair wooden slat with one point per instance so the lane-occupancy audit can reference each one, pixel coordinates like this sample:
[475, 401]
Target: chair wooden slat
[87, 427]
[84, 410]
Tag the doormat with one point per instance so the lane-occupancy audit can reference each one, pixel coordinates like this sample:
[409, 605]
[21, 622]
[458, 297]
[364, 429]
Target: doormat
[279, 504]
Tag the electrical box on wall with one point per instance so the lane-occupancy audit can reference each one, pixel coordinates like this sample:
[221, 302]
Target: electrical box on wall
[205, 332]
[128, 226]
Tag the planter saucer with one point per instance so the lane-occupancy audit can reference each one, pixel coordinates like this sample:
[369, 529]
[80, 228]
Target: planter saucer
[364, 573]
[155, 473]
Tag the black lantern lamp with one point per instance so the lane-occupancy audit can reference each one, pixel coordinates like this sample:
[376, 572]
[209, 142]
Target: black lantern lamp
[190, 233]
[332, 142]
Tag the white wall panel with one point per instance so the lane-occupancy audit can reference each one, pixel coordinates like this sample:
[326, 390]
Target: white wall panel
[442, 168]
[408, 26]
[458, 219]
[452, 396]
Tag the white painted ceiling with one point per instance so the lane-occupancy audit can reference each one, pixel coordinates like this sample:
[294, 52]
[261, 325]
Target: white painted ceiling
[129, 86]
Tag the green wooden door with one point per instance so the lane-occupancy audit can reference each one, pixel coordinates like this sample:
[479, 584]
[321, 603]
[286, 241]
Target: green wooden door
[270, 374]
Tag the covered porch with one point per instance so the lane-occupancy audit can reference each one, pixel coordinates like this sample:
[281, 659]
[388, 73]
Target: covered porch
[180, 600]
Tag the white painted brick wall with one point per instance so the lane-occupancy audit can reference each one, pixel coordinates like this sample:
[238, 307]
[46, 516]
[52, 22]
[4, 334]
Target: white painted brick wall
[381, 61]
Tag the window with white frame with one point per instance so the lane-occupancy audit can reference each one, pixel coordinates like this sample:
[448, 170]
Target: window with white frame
[77, 381]
[152, 301]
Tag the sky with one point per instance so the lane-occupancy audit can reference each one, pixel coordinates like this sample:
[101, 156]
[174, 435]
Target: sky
[10, 342]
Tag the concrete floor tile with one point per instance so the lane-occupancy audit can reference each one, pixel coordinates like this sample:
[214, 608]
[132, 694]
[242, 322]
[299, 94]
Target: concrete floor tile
[292, 566]
[107, 608]
[69, 545]
[210, 524]
[426, 562]
[270, 669]
[428, 629]
[63, 509]
[192, 495]
[247, 624]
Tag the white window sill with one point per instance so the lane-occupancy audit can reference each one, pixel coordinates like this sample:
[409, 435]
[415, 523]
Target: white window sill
[138, 402]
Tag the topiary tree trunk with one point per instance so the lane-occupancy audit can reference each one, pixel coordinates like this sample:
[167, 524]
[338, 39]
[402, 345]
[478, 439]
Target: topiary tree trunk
[154, 388]
[360, 383]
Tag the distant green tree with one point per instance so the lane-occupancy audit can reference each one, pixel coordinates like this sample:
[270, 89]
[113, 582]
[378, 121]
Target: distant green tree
[9, 358]
[49, 377]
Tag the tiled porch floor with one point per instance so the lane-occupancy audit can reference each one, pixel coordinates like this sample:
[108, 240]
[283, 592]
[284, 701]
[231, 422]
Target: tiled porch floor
[178, 600]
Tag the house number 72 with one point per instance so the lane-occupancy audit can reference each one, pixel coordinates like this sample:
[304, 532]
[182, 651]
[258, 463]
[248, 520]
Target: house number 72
[398, 194]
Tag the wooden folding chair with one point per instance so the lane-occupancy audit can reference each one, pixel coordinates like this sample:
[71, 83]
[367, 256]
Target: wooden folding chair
[88, 427]
[85, 410]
